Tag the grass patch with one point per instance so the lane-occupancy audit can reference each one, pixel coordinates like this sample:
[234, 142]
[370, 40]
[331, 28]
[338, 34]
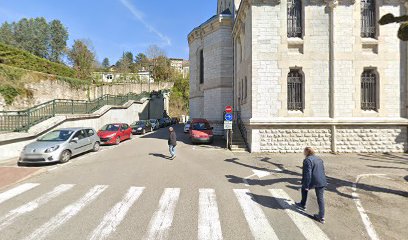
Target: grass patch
[22, 59]
[9, 93]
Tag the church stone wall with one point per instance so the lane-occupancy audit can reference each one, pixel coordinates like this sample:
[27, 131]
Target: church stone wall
[348, 139]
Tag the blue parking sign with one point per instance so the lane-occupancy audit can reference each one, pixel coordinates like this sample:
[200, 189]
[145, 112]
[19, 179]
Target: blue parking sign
[228, 117]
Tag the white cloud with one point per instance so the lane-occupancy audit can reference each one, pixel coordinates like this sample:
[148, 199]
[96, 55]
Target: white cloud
[140, 17]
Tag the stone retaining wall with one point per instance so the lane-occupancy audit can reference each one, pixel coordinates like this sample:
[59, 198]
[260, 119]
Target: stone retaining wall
[348, 139]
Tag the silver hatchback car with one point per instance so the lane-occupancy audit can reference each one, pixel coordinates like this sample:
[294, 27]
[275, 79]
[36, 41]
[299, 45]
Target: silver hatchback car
[60, 145]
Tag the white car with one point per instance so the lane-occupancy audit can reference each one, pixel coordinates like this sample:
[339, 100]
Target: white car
[187, 127]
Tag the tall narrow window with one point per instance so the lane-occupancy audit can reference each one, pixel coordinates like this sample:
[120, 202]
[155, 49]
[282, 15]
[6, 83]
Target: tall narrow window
[368, 18]
[246, 87]
[369, 90]
[295, 18]
[295, 90]
[201, 67]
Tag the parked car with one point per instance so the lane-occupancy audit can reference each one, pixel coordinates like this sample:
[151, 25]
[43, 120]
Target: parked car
[201, 131]
[168, 121]
[141, 127]
[174, 121]
[60, 145]
[114, 133]
[155, 124]
[187, 126]
[162, 122]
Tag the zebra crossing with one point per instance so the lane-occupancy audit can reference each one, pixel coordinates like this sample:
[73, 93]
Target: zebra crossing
[159, 227]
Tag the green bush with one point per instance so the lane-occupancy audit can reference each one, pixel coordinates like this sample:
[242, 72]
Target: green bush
[9, 93]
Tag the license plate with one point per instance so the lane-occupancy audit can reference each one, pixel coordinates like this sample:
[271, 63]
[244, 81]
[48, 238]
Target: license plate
[31, 156]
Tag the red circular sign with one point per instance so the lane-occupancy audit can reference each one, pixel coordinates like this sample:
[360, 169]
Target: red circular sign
[228, 109]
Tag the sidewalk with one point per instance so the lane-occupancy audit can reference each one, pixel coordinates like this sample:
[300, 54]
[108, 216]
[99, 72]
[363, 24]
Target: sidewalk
[12, 175]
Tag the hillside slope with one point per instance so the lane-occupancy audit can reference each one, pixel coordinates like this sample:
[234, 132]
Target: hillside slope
[15, 57]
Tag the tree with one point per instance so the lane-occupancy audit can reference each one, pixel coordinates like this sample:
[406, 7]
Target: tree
[58, 40]
[141, 61]
[82, 58]
[105, 63]
[403, 30]
[161, 69]
[155, 51]
[7, 34]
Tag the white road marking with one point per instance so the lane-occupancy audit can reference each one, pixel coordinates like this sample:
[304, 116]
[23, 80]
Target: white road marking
[257, 221]
[306, 225]
[9, 218]
[115, 216]
[363, 214]
[17, 191]
[261, 173]
[66, 214]
[209, 226]
[162, 219]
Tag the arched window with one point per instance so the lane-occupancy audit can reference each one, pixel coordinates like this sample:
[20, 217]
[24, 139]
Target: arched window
[368, 19]
[369, 90]
[295, 28]
[295, 90]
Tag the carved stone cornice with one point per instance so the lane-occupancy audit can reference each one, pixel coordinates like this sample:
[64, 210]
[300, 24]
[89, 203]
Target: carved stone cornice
[210, 26]
[395, 1]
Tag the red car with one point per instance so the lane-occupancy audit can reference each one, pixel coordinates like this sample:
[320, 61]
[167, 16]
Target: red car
[114, 133]
[201, 131]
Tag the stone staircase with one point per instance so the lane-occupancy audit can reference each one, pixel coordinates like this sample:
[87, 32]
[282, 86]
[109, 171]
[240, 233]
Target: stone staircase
[238, 143]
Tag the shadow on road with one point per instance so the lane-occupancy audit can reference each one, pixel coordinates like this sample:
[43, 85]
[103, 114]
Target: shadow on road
[273, 203]
[294, 182]
[159, 155]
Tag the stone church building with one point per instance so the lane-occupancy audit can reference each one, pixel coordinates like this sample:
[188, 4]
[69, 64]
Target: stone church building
[318, 73]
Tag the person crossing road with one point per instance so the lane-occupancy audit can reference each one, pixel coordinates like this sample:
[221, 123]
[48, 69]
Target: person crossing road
[172, 142]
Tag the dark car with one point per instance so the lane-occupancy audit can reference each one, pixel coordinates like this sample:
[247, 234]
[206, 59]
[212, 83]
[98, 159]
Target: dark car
[162, 122]
[141, 127]
[168, 121]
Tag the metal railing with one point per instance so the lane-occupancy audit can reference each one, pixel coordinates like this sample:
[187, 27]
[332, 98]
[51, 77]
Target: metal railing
[17, 121]
[241, 126]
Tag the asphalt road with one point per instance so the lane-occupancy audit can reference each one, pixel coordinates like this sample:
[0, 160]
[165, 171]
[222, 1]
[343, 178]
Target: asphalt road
[132, 191]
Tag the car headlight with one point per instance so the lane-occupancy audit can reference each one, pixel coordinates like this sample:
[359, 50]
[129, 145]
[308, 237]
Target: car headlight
[52, 149]
[139, 128]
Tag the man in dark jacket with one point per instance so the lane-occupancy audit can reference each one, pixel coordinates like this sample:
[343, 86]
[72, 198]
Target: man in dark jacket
[172, 143]
[313, 177]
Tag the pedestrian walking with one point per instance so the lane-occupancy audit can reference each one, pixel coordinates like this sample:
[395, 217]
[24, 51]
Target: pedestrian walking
[313, 177]
[172, 143]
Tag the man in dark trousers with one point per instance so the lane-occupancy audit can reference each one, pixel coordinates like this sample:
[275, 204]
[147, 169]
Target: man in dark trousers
[313, 177]
[172, 143]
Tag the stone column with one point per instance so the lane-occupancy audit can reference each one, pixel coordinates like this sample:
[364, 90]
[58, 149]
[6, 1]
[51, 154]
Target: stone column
[331, 4]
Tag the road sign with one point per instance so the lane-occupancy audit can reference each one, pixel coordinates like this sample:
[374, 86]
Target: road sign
[227, 125]
[228, 117]
[228, 109]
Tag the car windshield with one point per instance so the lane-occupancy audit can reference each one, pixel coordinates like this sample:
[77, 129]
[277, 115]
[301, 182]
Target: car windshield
[138, 123]
[152, 120]
[201, 126]
[57, 136]
[111, 127]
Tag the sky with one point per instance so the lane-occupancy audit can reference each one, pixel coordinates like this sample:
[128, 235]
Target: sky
[115, 26]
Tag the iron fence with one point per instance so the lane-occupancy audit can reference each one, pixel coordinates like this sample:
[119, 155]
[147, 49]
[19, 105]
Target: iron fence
[17, 121]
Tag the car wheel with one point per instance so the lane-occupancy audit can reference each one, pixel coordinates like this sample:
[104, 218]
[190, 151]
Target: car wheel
[20, 164]
[144, 132]
[117, 141]
[151, 129]
[65, 156]
[96, 147]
